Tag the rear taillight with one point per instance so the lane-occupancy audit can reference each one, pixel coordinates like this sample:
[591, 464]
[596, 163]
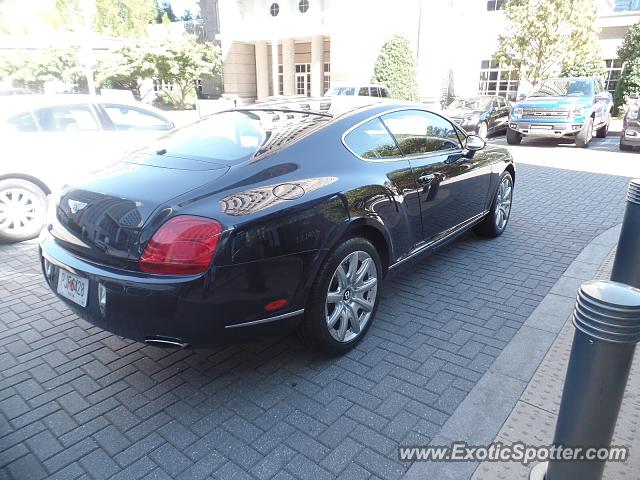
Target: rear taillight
[185, 245]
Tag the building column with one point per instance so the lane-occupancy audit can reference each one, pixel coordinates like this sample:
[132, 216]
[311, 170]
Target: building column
[274, 66]
[289, 66]
[262, 70]
[317, 65]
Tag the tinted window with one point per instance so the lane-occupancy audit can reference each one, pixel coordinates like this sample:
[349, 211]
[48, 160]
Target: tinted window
[236, 136]
[65, 118]
[128, 118]
[363, 92]
[421, 132]
[375, 91]
[384, 92]
[372, 140]
[22, 123]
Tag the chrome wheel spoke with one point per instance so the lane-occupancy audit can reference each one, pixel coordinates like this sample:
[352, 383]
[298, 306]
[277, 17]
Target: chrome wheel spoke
[341, 276]
[334, 297]
[364, 269]
[335, 316]
[366, 285]
[353, 266]
[353, 319]
[362, 303]
[344, 324]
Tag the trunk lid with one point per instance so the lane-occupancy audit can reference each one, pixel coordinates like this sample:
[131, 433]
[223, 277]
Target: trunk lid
[101, 218]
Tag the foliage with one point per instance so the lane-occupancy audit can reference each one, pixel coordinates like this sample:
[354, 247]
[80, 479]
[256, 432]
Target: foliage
[542, 35]
[177, 62]
[395, 67]
[119, 18]
[32, 69]
[127, 68]
[630, 48]
[629, 81]
[629, 53]
[164, 12]
[591, 66]
[184, 61]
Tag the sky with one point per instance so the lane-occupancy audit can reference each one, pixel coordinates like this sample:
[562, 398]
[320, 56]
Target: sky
[179, 6]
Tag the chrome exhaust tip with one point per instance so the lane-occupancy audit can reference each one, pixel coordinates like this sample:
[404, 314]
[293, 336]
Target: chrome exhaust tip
[162, 341]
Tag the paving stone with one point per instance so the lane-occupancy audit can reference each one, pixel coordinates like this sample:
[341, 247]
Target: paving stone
[232, 411]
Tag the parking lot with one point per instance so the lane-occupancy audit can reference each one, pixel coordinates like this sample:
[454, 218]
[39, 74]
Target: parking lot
[77, 402]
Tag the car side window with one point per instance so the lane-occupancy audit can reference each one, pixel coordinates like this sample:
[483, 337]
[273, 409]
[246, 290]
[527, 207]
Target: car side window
[23, 122]
[125, 117]
[375, 91]
[363, 92]
[384, 92]
[418, 132]
[372, 140]
[65, 118]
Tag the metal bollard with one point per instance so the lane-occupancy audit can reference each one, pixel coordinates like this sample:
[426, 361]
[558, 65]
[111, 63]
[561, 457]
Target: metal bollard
[626, 266]
[607, 322]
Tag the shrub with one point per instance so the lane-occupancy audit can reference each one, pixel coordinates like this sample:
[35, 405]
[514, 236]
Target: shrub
[395, 67]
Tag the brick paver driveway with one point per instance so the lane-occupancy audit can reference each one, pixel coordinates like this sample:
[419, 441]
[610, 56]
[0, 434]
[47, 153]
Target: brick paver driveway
[76, 402]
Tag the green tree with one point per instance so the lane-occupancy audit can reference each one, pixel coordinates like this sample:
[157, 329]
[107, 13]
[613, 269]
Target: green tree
[630, 48]
[629, 81]
[164, 12]
[118, 18]
[544, 35]
[182, 63]
[127, 68]
[629, 53]
[591, 66]
[32, 69]
[395, 67]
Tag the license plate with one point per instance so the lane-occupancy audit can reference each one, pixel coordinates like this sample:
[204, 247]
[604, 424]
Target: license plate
[73, 287]
[541, 127]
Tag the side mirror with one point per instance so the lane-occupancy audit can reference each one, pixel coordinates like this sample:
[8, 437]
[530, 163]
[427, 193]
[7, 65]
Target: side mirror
[474, 143]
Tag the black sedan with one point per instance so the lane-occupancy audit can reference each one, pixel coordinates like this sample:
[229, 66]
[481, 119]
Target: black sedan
[267, 218]
[484, 115]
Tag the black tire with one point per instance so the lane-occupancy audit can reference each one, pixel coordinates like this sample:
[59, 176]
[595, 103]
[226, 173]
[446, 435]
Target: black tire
[583, 137]
[513, 137]
[489, 226]
[625, 148]
[314, 327]
[604, 130]
[36, 200]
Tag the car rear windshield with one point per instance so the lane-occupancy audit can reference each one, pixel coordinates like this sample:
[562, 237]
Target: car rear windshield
[234, 136]
[476, 103]
[341, 91]
[564, 87]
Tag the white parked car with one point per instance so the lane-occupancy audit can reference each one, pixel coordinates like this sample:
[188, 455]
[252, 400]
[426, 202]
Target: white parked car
[361, 90]
[50, 140]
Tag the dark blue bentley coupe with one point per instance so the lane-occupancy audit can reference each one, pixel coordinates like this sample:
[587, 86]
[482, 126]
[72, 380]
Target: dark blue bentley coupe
[270, 217]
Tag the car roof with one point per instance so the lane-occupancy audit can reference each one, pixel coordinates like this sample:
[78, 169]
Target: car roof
[14, 104]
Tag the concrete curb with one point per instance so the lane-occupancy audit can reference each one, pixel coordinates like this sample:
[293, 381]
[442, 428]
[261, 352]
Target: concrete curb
[479, 417]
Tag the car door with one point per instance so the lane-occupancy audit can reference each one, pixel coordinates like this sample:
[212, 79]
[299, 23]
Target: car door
[503, 114]
[453, 187]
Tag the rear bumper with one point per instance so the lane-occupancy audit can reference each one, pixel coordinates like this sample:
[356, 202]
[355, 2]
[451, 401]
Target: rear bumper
[630, 136]
[545, 129]
[224, 305]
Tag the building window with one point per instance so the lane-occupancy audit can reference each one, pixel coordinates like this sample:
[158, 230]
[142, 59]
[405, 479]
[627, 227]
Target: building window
[303, 6]
[614, 69]
[280, 80]
[274, 9]
[160, 85]
[326, 83]
[626, 5]
[493, 5]
[496, 79]
[303, 79]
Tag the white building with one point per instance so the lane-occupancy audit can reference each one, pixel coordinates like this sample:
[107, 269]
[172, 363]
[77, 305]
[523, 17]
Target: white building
[302, 46]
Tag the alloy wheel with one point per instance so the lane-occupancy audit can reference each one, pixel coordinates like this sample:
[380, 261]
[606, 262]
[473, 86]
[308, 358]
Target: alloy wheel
[351, 296]
[20, 211]
[503, 202]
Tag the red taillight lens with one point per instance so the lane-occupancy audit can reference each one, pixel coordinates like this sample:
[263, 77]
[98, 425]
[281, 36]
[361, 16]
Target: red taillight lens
[185, 245]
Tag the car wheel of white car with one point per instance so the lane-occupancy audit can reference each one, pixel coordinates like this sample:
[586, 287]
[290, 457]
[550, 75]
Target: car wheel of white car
[23, 210]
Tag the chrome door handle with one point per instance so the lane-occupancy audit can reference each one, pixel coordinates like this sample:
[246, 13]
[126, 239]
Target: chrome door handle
[426, 178]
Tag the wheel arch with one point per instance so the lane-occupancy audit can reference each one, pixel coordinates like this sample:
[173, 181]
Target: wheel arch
[374, 231]
[22, 176]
